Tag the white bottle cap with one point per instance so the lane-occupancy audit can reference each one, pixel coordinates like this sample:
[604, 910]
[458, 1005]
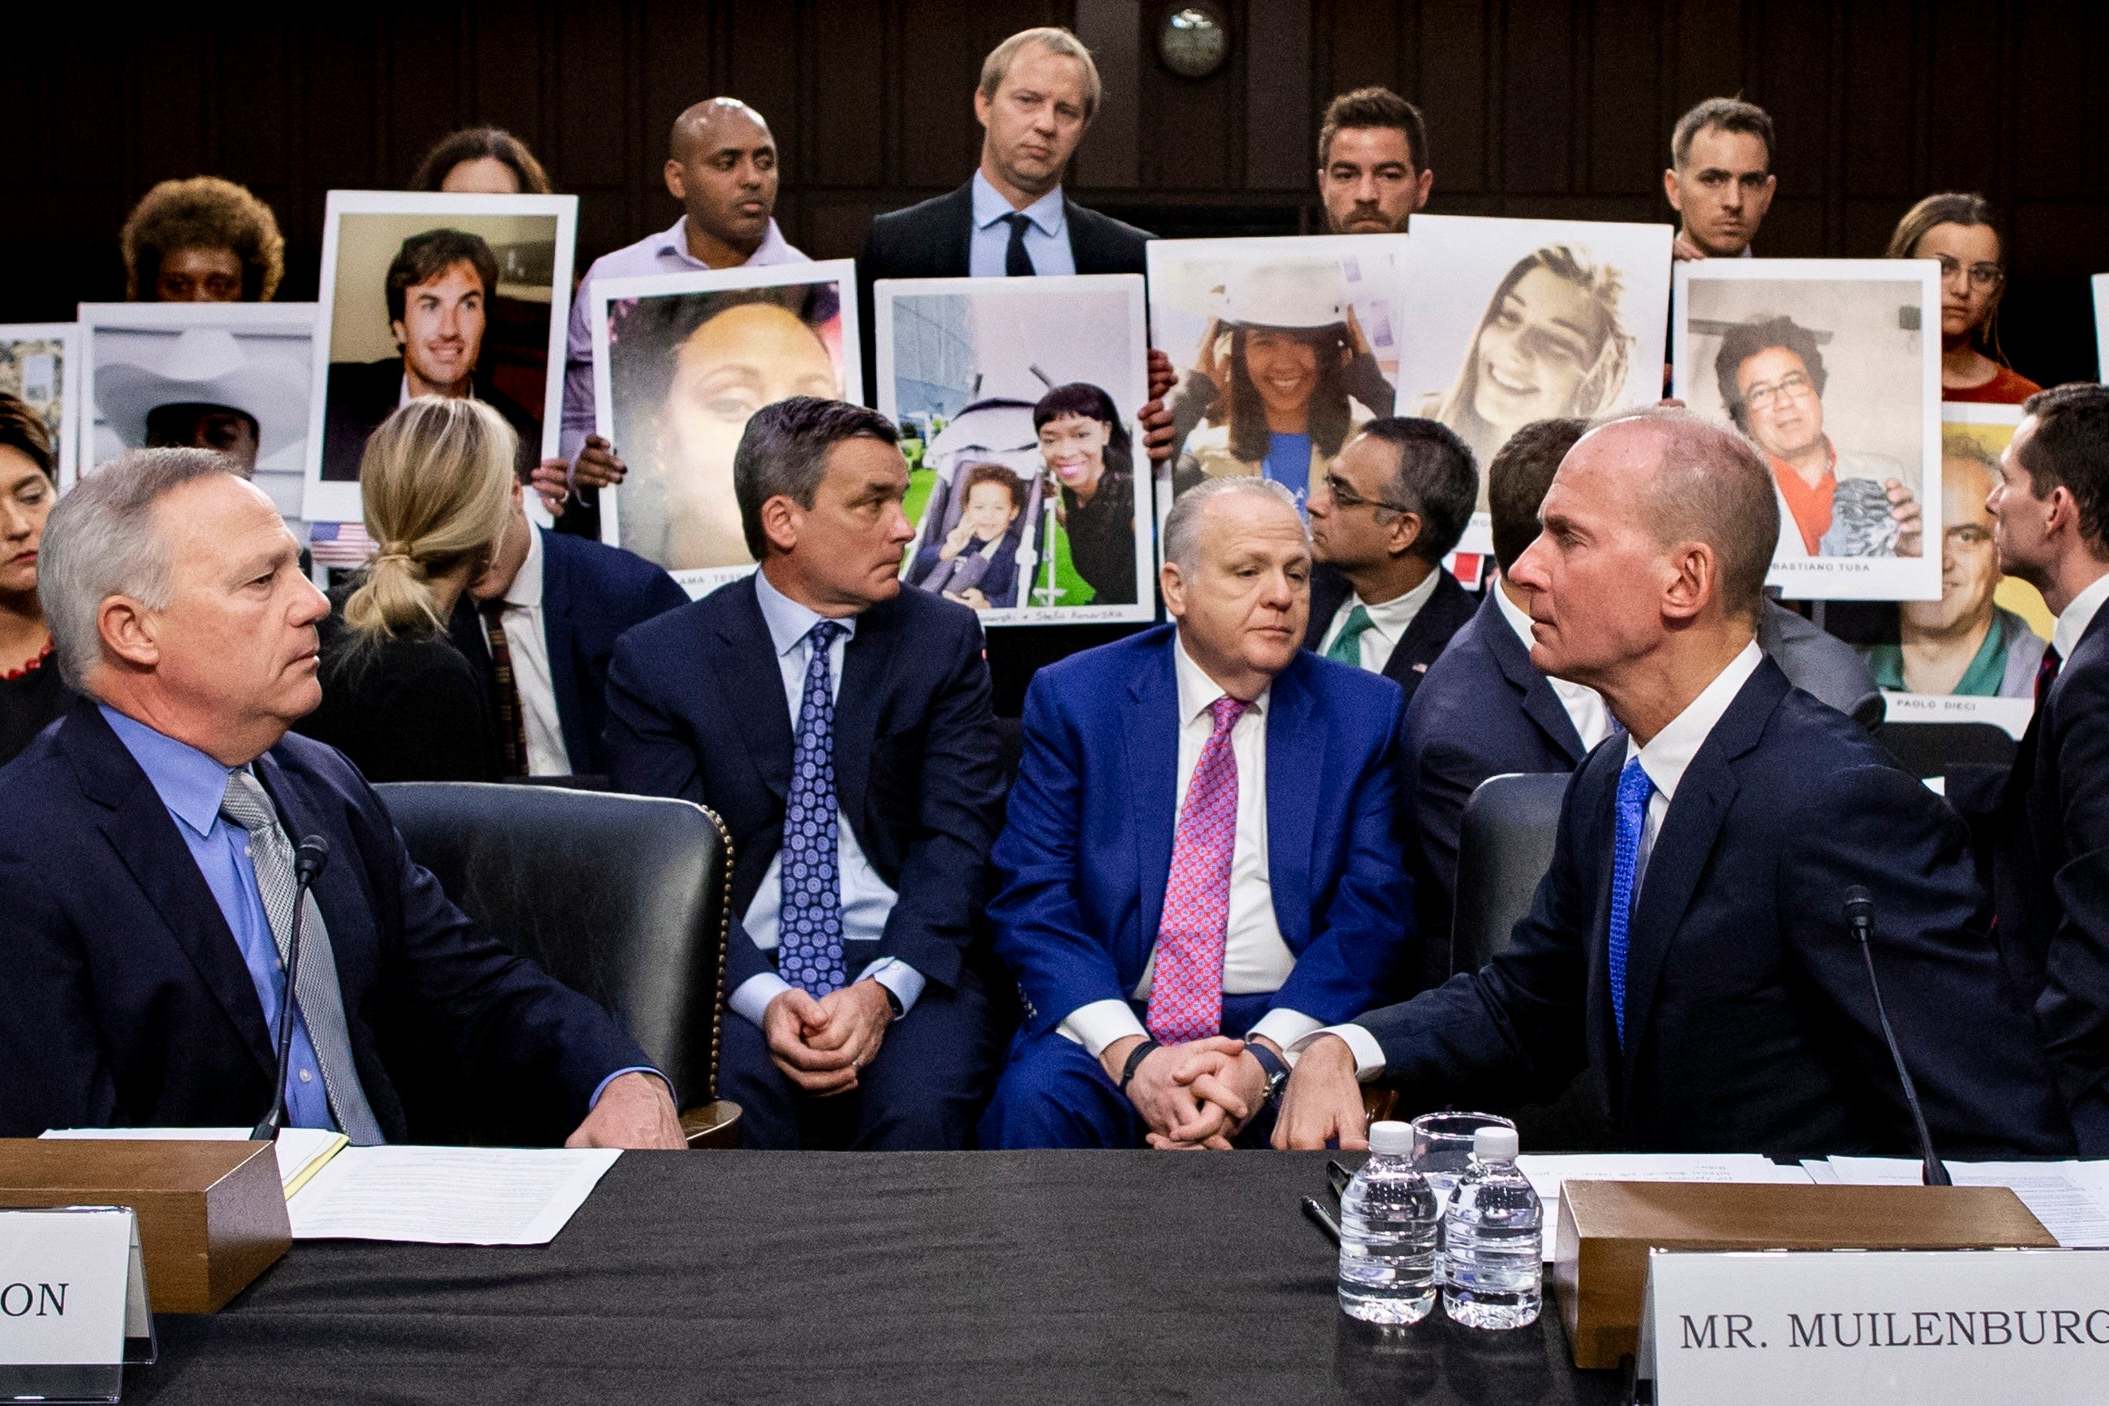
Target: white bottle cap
[1494, 1143]
[1391, 1139]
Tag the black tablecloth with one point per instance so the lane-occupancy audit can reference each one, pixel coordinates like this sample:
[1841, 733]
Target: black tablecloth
[818, 1277]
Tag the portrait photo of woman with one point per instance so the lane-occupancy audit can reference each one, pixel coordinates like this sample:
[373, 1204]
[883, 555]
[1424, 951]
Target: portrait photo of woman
[1091, 462]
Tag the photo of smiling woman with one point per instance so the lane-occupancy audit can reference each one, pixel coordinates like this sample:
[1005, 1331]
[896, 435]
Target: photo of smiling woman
[684, 372]
[1089, 458]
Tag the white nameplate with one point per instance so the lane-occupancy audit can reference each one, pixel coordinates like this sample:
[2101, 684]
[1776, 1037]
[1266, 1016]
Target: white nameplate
[1872, 1326]
[63, 1277]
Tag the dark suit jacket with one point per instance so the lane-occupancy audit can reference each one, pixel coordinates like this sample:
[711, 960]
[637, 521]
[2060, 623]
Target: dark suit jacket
[1749, 1025]
[129, 1003]
[1483, 710]
[696, 709]
[1443, 616]
[591, 594]
[2050, 878]
[1087, 848]
[404, 709]
[364, 393]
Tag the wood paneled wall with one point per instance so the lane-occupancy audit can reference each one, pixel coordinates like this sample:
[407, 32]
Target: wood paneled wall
[1536, 107]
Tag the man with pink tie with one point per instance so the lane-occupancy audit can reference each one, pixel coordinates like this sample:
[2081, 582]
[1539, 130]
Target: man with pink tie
[1201, 858]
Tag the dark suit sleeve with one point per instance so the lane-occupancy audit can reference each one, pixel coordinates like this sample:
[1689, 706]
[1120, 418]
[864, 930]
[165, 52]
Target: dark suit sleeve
[651, 748]
[1443, 774]
[1364, 943]
[661, 594]
[453, 738]
[944, 871]
[2073, 1009]
[57, 1075]
[1962, 1028]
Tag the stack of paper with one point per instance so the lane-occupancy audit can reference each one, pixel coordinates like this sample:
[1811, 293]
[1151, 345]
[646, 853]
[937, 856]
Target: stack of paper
[1548, 1173]
[301, 1151]
[2070, 1198]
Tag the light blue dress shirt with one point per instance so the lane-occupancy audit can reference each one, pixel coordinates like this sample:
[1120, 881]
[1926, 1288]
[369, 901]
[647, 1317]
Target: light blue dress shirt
[1046, 239]
[191, 785]
[866, 899]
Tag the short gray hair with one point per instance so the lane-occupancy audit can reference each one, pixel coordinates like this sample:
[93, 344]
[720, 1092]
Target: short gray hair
[1054, 39]
[783, 452]
[1182, 526]
[101, 541]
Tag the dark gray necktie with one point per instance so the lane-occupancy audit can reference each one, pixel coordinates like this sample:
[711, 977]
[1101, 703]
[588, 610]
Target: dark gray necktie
[319, 1001]
[1016, 262]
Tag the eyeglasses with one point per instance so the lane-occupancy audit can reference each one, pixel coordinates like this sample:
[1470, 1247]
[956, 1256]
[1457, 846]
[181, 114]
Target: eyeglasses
[1761, 395]
[1348, 498]
[1982, 276]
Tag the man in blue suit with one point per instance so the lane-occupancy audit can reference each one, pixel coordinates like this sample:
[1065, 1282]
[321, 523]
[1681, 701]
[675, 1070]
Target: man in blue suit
[553, 606]
[1689, 942]
[1201, 858]
[147, 857]
[840, 726]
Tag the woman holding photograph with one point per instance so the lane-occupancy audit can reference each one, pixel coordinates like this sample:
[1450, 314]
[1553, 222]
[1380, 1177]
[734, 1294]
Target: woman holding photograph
[1280, 356]
[31, 692]
[689, 372]
[1087, 452]
[1552, 344]
[397, 697]
[1960, 232]
[481, 161]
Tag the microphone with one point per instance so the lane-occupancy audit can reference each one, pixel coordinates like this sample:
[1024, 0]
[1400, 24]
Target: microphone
[1860, 917]
[309, 860]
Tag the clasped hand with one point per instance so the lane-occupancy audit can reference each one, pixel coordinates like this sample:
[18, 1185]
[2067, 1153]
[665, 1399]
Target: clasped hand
[1194, 1095]
[821, 1044]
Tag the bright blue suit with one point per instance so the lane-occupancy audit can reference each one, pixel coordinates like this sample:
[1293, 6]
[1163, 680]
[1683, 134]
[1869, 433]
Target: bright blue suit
[1085, 853]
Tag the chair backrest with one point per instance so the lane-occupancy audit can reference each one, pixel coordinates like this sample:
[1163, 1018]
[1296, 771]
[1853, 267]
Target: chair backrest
[1503, 849]
[626, 899]
[1931, 749]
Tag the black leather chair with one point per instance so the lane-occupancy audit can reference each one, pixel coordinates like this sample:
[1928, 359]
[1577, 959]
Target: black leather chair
[1935, 749]
[624, 898]
[1504, 848]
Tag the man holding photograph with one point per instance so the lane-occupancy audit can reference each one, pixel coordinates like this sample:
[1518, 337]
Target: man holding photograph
[1720, 179]
[439, 290]
[1373, 170]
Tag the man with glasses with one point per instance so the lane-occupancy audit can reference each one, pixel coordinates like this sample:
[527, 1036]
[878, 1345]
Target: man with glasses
[1391, 507]
[1840, 502]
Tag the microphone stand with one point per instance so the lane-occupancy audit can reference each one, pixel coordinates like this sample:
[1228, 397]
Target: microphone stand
[1860, 916]
[308, 863]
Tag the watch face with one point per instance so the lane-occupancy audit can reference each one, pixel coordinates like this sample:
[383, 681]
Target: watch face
[1193, 41]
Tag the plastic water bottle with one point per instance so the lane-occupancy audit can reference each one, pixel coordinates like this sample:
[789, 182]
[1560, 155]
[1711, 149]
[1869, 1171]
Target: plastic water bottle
[1388, 1220]
[1493, 1276]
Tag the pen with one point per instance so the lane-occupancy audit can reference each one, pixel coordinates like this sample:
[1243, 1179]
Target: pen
[1316, 1214]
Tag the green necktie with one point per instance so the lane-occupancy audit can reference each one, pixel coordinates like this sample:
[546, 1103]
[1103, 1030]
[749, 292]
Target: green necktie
[1347, 645]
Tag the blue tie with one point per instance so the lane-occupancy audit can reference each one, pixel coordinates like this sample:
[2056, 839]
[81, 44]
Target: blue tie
[809, 929]
[1634, 789]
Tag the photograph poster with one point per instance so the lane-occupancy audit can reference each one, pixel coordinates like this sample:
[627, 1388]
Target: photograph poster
[40, 366]
[681, 361]
[450, 295]
[1016, 400]
[2101, 326]
[1832, 368]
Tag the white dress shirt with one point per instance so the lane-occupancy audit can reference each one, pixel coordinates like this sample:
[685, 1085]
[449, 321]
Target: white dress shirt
[2077, 615]
[1388, 622]
[527, 641]
[866, 899]
[1665, 759]
[1255, 959]
[1584, 705]
[1046, 238]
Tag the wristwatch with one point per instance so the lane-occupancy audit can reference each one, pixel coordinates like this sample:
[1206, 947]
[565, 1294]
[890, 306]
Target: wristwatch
[1272, 1065]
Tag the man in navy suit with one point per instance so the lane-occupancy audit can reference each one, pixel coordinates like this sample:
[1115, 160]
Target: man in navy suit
[146, 851]
[841, 728]
[1689, 942]
[1393, 505]
[1201, 858]
[2051, 858]
[556, 605]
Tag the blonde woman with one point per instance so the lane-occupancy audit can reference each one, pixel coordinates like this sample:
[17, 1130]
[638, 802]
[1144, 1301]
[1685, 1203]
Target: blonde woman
[398, 698]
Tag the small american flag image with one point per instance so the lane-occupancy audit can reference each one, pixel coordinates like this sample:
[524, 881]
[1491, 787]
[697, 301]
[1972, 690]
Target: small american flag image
[339, 544]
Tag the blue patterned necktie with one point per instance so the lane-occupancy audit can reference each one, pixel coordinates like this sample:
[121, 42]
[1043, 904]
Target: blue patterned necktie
[809, 929]
[1634, 789]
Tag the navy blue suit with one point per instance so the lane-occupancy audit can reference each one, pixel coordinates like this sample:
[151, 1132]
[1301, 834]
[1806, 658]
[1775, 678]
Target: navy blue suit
[1749, 1024]
[591, 594]
[129, 1003]
[696, 709]
[1446, 612]
[1086, 852]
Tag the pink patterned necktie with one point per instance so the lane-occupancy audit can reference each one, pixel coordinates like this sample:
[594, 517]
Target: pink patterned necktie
[1186, 994]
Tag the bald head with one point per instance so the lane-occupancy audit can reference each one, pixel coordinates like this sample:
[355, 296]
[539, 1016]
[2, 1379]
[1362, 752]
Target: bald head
[721, 166]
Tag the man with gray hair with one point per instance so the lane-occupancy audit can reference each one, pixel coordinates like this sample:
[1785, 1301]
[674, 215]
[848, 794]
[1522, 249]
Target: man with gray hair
[1690, 942]
[1201, 861]
[841, 728]
[147, 853]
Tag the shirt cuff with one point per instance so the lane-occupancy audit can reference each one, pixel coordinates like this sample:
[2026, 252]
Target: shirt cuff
[1369, 1055]
[1100, 1023]
[1283, 1026]
[594, 1102]
[755, 994]
[904, 981]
